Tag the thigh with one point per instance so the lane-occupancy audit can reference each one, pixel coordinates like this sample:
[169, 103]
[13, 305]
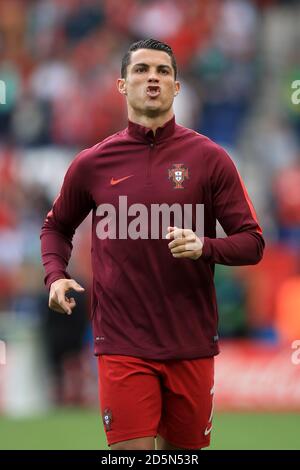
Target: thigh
[130, 398]
[142, 443]
[187, 405]
[162, 444]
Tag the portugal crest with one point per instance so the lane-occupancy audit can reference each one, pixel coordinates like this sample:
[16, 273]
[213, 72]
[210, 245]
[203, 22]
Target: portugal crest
[107, 419]
[178, 174]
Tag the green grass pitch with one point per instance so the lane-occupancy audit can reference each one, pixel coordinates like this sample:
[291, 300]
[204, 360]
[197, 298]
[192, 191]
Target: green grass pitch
[81, 429]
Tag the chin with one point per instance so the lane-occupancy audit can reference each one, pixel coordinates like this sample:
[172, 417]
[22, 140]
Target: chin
[154, 107]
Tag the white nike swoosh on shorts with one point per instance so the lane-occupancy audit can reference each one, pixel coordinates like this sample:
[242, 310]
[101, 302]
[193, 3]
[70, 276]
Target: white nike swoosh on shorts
[207, 431]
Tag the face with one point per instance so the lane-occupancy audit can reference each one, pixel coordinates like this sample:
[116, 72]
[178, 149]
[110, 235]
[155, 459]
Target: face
[150, 84]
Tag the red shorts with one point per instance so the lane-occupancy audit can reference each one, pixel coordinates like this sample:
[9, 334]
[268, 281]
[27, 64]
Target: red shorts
[141, 397]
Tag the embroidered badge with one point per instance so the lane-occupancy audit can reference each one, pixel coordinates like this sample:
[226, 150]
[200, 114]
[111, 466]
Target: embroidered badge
[107, 419]
[178, 174]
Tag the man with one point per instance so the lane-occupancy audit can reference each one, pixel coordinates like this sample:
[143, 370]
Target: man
[154, 311]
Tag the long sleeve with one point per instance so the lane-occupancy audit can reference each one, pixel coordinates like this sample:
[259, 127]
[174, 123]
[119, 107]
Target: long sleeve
[244, 243]
[69, 210]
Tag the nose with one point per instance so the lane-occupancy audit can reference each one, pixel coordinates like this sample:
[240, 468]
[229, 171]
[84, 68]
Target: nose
[153, 78]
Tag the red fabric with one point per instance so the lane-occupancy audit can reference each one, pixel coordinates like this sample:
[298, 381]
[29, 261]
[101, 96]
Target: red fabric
[140, 398]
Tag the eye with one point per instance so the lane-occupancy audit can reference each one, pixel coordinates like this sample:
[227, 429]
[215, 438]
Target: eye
[164, 71]
[140, 69]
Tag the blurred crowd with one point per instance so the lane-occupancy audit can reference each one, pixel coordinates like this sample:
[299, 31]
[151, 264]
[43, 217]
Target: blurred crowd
[237, 59]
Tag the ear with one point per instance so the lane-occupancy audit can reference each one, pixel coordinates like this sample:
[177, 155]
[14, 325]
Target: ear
[177, 88]
[121, 85]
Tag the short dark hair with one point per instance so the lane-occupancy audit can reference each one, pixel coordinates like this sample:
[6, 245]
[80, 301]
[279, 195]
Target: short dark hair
[147, 44]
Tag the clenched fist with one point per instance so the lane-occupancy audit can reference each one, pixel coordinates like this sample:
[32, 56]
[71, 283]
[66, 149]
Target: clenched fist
[185, 243]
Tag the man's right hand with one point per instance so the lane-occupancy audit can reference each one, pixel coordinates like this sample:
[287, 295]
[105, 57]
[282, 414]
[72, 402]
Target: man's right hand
[57, 297]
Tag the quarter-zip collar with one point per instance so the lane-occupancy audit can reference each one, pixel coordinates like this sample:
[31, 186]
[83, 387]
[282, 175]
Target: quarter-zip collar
[146, 135]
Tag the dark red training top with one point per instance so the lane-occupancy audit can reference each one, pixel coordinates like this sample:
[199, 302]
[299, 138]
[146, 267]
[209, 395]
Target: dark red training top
[145, 302]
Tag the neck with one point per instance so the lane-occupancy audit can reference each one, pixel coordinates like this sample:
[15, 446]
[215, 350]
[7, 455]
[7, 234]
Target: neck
[151, 122]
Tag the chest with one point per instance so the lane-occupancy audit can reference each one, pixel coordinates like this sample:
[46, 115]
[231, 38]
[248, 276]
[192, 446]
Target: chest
[151, 174]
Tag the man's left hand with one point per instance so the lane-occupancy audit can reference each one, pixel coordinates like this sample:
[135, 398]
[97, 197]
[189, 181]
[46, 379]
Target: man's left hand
[185, 243]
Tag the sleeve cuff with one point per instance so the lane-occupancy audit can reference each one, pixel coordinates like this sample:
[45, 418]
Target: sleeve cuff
[207, 249]
[54, 277]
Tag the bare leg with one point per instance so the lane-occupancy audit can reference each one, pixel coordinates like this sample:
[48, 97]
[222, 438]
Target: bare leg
[162, 444]
[142, 443]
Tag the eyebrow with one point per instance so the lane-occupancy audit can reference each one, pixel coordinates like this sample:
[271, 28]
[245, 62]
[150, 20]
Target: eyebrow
[147, 65]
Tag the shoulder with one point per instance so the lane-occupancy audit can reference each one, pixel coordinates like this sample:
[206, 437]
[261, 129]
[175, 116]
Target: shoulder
[209, 149]
[110, 141]
[86, 157]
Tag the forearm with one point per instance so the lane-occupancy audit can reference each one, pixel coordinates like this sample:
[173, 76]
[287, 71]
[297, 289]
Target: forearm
[239, 249]
[56, 251]
[70, 208]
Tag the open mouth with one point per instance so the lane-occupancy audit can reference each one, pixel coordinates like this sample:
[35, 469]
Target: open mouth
[153, 91]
